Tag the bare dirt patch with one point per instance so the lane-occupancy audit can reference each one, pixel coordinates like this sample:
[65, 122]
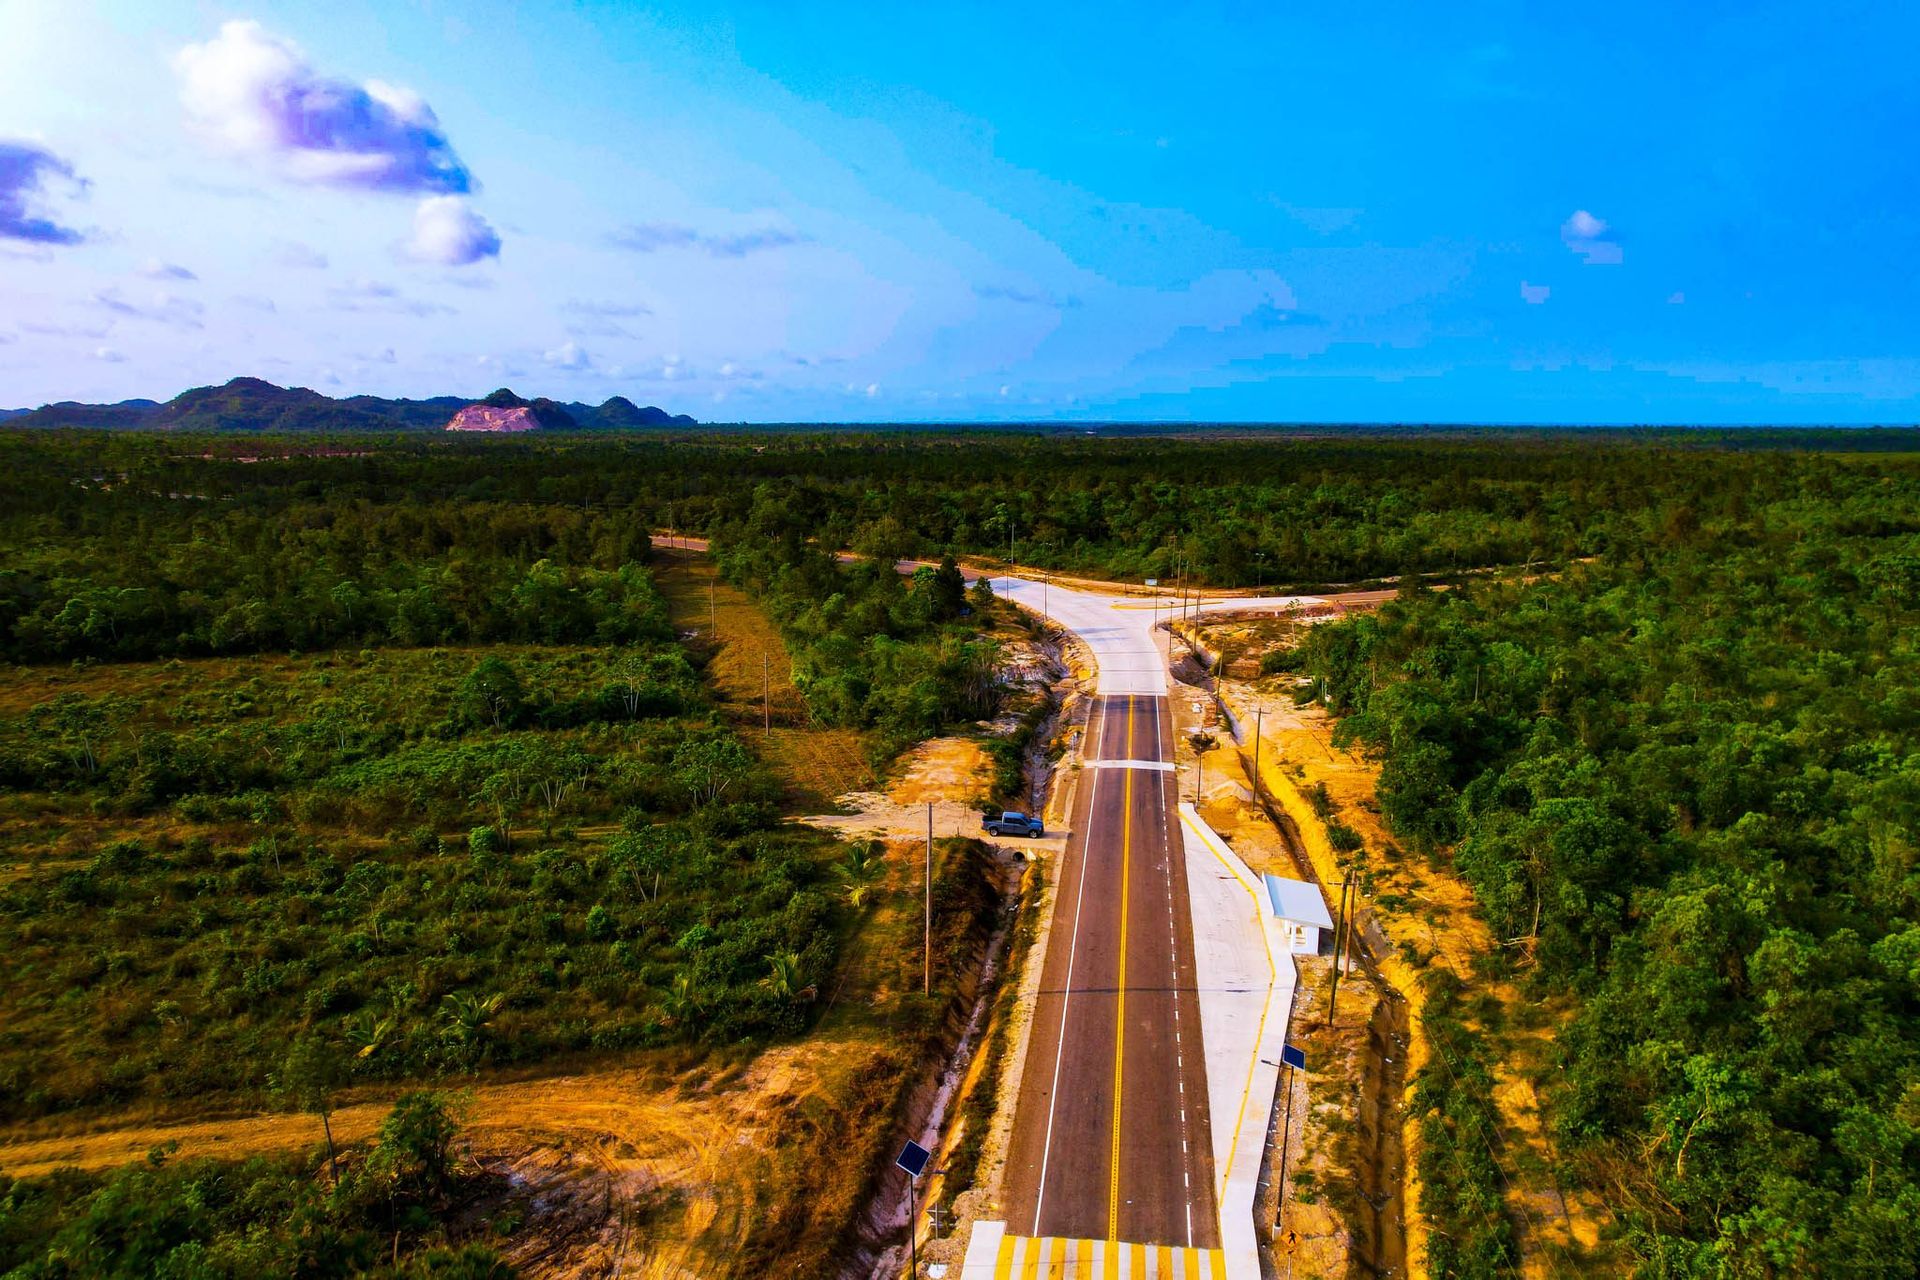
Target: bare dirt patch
[944, 771]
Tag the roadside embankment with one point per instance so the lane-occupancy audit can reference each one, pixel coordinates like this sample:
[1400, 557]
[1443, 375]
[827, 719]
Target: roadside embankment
[1418, 931]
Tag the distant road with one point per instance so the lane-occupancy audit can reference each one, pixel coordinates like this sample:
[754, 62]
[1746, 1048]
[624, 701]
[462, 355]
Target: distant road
[1208, 604]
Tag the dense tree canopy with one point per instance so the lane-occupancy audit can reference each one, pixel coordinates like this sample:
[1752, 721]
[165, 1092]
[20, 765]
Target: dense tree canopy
[1685, 776]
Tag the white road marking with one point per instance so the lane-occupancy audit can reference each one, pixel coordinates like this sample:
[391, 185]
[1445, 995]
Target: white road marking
[1066, 996]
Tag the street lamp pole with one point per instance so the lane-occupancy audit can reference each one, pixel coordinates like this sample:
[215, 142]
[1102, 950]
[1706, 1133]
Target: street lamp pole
[926, 980]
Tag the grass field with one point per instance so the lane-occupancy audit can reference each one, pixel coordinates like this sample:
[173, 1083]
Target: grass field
[751, 678]
[211, 857]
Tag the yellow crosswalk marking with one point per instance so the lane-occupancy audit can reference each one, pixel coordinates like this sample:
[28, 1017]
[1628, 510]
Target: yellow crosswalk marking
[1062, 1258]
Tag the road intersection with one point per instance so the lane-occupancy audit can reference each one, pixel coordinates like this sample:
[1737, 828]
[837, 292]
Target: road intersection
[1120, 1150]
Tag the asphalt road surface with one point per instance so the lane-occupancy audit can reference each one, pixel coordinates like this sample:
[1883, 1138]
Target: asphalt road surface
[1110, 1137]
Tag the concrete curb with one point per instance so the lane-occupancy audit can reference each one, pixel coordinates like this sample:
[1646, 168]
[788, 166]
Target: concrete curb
[1232, 1053]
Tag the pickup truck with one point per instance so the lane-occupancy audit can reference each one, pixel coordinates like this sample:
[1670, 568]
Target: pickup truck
[1009, 823]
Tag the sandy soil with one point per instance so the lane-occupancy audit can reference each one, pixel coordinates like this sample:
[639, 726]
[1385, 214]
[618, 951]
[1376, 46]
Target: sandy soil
[594, 1149]
[1424, 912]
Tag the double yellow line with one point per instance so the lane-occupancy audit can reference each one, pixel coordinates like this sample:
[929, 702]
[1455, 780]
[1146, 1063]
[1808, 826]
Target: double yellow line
[1120, 1013]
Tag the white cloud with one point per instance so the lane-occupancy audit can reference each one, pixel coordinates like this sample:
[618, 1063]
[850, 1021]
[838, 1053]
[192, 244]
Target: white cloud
[1675, 298]
[1534, 294]
[162, 308]
[655, 237]
[154, 269]
[376, 295]
[254, 94]
[1592, 239]
[446, 231]
[1583, 226]
[873, 389]
[568, 355]
[109, 355]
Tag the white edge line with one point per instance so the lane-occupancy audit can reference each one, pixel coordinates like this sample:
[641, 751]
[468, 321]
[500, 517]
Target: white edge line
[1066, 996]
[1233, 862]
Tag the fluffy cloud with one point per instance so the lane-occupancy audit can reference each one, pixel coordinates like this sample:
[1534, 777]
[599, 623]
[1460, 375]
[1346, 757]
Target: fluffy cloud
[652, 237]
[24, 170]
[1534, 294]
[568, 355]
[1591, 238]
[448, 232]
[255, 94]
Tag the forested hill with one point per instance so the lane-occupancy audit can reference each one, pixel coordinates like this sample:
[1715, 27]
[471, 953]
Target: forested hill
[254, 405]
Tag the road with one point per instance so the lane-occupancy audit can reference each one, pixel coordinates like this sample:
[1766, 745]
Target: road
[1111, 1137]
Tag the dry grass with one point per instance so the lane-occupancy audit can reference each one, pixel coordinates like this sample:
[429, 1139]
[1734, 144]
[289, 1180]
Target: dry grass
[752, 678]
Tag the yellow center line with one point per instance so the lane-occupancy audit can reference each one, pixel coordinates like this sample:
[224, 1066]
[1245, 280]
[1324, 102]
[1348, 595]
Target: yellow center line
[1120, 1008]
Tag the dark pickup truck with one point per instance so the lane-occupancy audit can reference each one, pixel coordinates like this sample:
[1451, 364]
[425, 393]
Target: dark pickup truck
[1010, 823]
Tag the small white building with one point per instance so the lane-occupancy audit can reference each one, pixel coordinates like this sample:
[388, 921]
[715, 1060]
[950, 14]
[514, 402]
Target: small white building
[1302, 915]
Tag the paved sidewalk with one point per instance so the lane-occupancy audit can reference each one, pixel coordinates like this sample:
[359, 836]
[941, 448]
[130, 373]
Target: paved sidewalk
[1246, 980]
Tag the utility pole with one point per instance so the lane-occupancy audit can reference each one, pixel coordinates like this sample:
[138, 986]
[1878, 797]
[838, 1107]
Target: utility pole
[1342, 928]
[1199, 775]
[926, 979]
[913, 1232]
[1286, 1136]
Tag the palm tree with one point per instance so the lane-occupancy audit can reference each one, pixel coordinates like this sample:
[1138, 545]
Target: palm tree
[464, 1018]
[860, 872]
[369, 1031]
[682, 1000]
[783, 977]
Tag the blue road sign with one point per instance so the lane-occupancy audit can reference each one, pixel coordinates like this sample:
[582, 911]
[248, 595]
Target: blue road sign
[1293, 1057]
[913, 1158]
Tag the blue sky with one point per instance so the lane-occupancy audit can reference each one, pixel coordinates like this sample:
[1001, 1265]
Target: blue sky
[869, 213]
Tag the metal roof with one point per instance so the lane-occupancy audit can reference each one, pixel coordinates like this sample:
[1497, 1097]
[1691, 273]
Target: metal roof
[1298, 901]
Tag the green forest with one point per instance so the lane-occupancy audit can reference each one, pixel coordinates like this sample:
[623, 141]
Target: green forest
[424, 785]
[399, 750]
[1682, 776]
